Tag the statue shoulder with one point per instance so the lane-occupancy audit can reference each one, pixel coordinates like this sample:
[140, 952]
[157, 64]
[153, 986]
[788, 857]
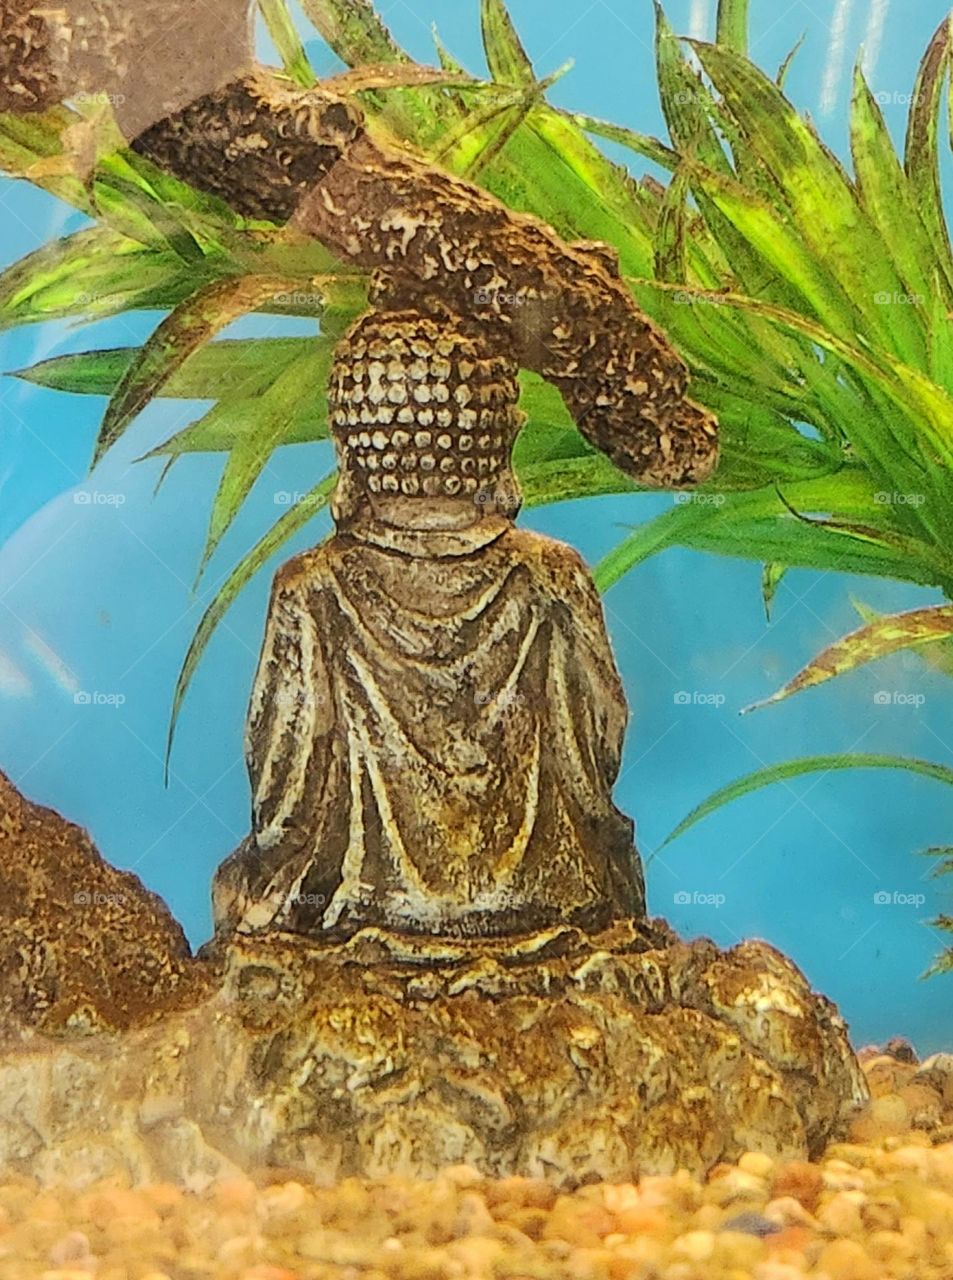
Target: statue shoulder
[559, 569]
[304, 571]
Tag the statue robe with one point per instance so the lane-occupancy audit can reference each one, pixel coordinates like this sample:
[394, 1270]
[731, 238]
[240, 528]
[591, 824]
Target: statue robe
[432, 743]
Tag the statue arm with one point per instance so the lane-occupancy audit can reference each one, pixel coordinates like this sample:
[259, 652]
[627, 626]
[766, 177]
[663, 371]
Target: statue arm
[586, 679]
[291, 715]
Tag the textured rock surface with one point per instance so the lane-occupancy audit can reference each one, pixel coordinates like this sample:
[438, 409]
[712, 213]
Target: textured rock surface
[83, 946]
[561, 1056]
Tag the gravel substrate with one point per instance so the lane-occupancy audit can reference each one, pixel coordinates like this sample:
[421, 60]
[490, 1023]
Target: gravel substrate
[871, 1209]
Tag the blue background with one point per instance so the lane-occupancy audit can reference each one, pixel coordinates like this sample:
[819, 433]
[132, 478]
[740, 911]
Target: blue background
[98, 598]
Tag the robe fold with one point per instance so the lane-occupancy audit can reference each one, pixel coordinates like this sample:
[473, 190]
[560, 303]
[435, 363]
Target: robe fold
[432, 743]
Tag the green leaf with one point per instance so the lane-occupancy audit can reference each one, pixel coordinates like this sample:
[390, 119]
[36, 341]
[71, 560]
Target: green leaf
[732, 27]
[480, 137]
[785, 67]
[28, 141]
[211, 373]
[283, 31]
[891, 442]
[354, 31]
[846, 250]
[867, 644]
[641, 143]
[302, 386]
[189, 327]
[505, 55]
[922, 157]
[90, 274]
[293, 519]
[761, 525]
[771, 578]
[886, 195]
[798, 768]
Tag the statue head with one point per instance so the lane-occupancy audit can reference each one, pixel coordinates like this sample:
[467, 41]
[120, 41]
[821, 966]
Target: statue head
[424, 419]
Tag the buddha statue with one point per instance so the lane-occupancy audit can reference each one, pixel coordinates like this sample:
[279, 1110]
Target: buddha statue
[437, 720]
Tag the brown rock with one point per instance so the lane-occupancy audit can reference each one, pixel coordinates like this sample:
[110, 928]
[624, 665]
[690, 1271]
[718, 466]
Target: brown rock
[560, 1057]
[887, 1075]
[900, 1048]
[924, 1106]
[937, 1072]
[83, 947]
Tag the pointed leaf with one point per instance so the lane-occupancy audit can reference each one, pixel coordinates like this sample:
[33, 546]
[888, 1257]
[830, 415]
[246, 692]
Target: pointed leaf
[886, 194]
[823, 205]
[218, 371]
[303, 383]
[505, 55]
[771, 577]
[641, 143]
[354, 31]
[283, 31]
[867, 644]
[293, 519]
[92, 273]
[922, 159]
[189, 327]
[797, 769]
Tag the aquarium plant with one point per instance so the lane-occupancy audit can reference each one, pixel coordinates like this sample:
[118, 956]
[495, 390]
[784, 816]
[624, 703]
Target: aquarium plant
[812, 304]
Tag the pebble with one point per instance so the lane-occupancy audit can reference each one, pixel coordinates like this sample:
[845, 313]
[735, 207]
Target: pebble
[877, 1207]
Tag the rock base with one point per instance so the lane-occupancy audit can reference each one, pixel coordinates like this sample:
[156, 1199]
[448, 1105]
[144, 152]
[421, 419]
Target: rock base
[560, 1055]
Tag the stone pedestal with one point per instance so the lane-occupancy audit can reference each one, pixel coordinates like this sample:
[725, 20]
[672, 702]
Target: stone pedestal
[557, 1055]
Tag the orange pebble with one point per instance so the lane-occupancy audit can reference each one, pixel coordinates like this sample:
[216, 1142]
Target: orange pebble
[800, 1180]
[265, 1272]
